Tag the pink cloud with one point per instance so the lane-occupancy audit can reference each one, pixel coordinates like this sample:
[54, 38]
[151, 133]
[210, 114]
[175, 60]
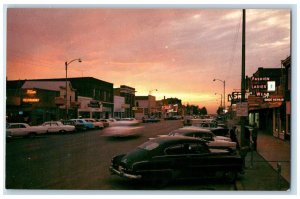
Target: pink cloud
[176, 50]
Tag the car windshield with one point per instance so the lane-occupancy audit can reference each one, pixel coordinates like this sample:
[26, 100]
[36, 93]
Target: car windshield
[149, 145]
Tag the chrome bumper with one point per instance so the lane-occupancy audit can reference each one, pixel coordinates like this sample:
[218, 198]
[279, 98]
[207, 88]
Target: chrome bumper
[122, 174]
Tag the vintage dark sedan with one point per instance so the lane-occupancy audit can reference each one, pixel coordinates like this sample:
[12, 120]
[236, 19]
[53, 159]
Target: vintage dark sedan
[176, 157]
[220, 131]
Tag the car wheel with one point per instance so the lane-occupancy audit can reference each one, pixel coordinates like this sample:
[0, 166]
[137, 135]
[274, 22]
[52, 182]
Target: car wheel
[230, 176]
[160, 181]
[31, 134]
[62, 131]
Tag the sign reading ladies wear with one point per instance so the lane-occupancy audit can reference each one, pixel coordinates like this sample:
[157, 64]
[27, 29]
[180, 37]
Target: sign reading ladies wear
[242, 109]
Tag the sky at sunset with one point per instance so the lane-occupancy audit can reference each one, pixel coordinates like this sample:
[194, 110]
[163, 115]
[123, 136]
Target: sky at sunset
[176, 51]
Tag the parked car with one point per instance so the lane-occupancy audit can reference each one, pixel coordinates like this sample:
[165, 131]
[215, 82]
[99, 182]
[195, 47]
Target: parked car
[220, 131]
[105, 122]
[88, 125]
[151, 119]
[213, 141]
[122, 131]
[126, 122]
[97, 124]
[173, 117]
[58, 127]
[112, 121]
[176, 157]
[78, 126]
[23, 129]
[204, 123]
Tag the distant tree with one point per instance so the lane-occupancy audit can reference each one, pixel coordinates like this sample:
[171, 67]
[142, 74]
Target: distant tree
[192, 109]
[220, 111]
[195, 109]
[203, 111]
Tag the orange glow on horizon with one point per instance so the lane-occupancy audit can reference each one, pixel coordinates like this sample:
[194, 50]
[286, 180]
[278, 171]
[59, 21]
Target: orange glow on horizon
[177, 51]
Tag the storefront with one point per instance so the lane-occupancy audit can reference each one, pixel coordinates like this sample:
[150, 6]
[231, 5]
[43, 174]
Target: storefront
[89, 108]
[266, 101]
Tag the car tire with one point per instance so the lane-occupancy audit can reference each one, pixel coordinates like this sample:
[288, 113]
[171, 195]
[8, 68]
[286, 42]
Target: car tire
[159, 182]
[31, 134]
[162, 180]
[230, 176]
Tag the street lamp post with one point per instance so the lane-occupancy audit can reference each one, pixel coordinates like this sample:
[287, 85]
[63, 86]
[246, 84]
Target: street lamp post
[223, 81]
[221, 99]
[66, 65]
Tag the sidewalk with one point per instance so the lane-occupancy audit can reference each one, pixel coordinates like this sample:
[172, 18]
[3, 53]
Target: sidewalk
[261, 173]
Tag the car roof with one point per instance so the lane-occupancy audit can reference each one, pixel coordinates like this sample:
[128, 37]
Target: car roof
[175, 139]
[191, 129]
[16, 123]
[218, 127]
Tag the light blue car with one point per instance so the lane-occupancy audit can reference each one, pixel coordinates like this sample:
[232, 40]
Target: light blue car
[88, 125]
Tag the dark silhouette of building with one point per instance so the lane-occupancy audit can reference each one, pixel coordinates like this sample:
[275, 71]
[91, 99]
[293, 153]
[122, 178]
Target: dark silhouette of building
[129, 94]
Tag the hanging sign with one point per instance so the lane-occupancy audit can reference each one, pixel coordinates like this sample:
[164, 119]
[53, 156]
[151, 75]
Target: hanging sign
[242, 109]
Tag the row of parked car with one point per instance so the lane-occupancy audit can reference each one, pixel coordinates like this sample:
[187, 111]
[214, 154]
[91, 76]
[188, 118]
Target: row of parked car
[65, 126]
[185, 153]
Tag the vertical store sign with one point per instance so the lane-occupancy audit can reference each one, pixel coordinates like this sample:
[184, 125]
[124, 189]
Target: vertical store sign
[242, 109]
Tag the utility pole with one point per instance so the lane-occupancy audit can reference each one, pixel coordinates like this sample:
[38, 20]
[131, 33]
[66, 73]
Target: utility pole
[243, 118]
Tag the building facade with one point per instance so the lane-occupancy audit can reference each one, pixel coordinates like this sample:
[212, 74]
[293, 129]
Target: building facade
[129, 94]
[100, 91]
[119, 110]
[38, 101]
[145, 106]
[286, 63]
[87, 96]
[266, 102]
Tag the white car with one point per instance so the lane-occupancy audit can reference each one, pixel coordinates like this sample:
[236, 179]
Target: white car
[123, 131]
[112, 121]
[213, 141]
[123, 122]
[97, 124]
[128, 122]
[58, 127]
[23, 129]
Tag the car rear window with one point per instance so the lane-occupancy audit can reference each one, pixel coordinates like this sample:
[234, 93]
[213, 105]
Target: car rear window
[149, 146]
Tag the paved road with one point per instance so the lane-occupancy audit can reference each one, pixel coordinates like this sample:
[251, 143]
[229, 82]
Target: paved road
[80, 161]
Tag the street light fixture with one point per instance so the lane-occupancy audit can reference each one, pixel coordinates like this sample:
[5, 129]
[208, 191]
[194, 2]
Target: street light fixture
[223, 81]
[150, 92]
[66, 65]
